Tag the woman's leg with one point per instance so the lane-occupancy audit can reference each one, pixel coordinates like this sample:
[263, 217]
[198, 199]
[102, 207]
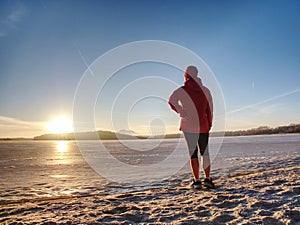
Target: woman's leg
[194, 162]
[203, 146]
[191, 141]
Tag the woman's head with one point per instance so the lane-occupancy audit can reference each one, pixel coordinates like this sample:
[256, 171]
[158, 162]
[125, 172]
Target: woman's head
[190, 72]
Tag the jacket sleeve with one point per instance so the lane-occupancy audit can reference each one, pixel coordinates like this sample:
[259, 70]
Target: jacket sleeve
[210, 108]
[174, 101]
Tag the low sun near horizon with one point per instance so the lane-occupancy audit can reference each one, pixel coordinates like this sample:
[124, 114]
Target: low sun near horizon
[60, 124]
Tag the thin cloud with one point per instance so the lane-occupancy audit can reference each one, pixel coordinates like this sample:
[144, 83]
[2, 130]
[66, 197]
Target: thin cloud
[13, 127]
[9, 120]
[269, 109]
[255, 115]
[13, 18]
[83, 60]
[16, 15]
[264, 101]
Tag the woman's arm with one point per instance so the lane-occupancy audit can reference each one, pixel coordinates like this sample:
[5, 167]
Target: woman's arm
[174, 102]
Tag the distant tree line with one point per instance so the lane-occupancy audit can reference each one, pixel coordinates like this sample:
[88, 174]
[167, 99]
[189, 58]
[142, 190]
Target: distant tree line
[292, 128]
[103, 135]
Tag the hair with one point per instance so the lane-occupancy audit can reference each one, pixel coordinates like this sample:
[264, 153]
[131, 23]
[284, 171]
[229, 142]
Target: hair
[191, 71]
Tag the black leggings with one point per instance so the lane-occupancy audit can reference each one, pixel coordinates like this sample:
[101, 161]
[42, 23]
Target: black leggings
[196, 141]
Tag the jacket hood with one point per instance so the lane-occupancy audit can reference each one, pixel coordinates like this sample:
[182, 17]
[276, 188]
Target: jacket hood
[194, 84]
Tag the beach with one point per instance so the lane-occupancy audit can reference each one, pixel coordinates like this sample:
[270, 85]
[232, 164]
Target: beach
[261, 197]
[256, 190]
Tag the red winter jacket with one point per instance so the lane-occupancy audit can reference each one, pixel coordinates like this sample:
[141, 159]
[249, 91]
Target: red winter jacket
[194, 103]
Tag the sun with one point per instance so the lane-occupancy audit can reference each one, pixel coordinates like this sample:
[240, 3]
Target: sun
[60, 125]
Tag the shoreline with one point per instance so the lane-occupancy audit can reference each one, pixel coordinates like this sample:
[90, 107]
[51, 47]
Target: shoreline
[269, 196]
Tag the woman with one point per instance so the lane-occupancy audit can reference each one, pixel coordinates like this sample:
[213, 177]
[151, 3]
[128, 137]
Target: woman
[194, 104]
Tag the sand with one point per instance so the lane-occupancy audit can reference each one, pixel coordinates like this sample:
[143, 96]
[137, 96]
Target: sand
[269, 196]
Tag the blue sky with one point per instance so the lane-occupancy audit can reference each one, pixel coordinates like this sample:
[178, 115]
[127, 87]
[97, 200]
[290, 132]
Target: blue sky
[252, 47]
